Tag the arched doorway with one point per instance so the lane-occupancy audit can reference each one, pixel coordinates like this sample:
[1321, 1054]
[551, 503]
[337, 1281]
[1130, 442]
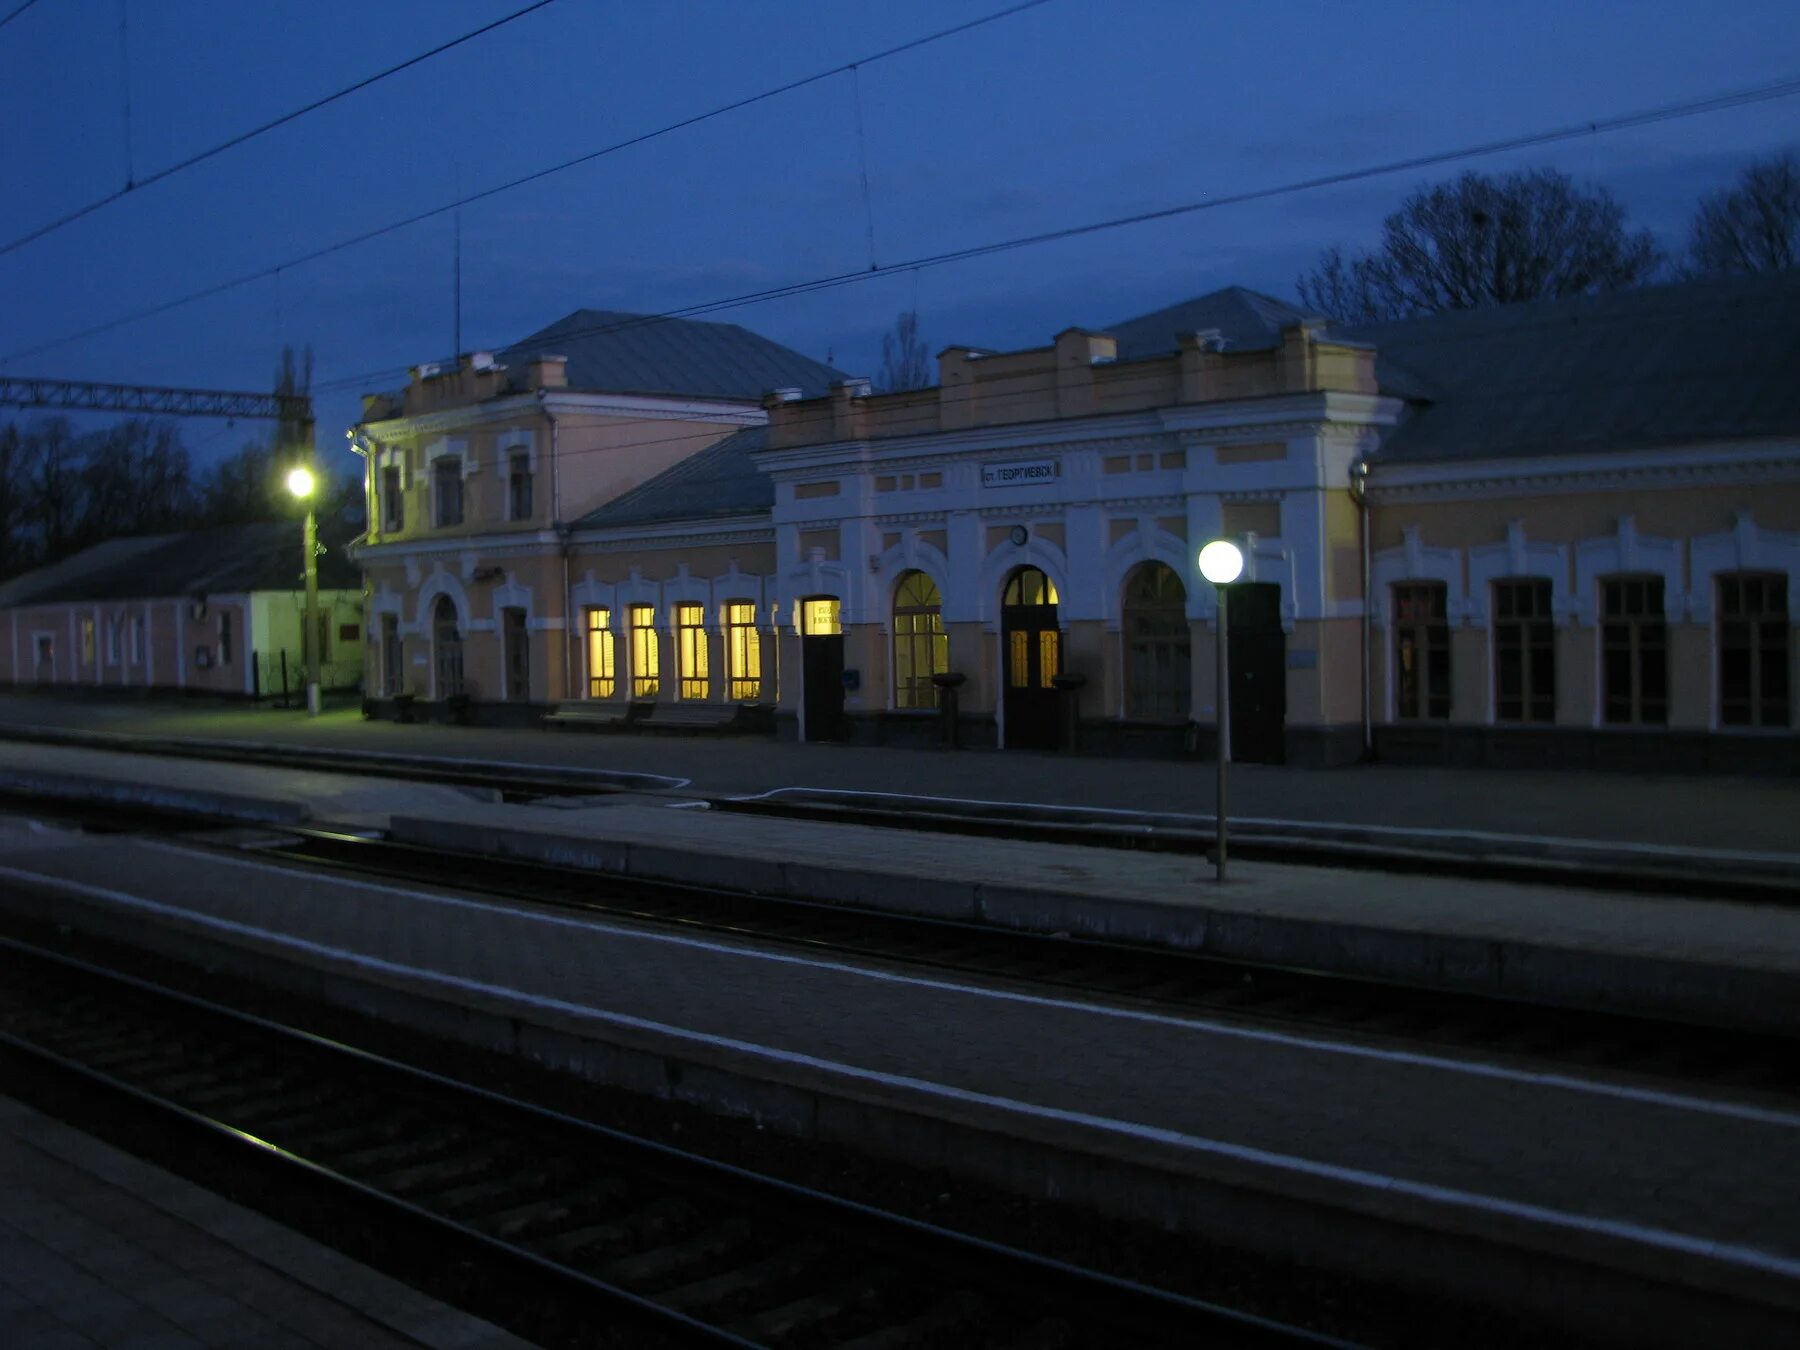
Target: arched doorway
[921, 647]
[1157, 647]
[446, 648]
[1031, 655]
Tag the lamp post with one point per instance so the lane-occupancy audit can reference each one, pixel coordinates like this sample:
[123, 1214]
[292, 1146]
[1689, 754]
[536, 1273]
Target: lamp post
[1222, 562]
[301, 483]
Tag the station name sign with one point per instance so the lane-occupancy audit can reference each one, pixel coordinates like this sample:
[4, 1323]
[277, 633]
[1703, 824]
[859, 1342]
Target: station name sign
[1019, 472]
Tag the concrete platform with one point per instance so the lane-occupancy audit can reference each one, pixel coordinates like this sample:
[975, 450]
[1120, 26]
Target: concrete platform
[100, 1249]
[1463, 1171]
[1734, 963]
[1672, 810]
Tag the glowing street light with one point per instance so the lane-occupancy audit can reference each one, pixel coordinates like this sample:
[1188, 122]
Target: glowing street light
[1222, 562]
[301, 483]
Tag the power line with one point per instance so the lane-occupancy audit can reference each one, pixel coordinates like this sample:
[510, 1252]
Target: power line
[1668, 112]
[250, 135]
[15, 14]
[639, 139]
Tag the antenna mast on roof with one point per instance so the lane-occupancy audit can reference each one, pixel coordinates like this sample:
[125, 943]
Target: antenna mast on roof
[456, 294]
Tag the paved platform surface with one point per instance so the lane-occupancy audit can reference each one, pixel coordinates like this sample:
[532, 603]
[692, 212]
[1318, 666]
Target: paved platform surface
[1605, 1166]
[1714, 811]
[100, 1249]
[1733, 962]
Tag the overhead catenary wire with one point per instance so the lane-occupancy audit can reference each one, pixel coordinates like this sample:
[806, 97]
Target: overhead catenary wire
[16, 12]
[641, 138]
[1785, 88]
[80, 212]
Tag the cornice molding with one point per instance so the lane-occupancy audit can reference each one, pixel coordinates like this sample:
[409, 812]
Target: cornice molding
[654, 543]
[1603, 478]
[563, 403]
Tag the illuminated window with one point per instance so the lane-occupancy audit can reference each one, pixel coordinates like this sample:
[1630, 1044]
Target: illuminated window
[1753, 649]
[1157, 655]
[87, 642]
[690, 650]
[743, 652]
[646, 662]
[819, 617]
[1033, 641]
[1421, 650]
[603, 675]
[1634, 651]
[1524, 652]
[921, 647]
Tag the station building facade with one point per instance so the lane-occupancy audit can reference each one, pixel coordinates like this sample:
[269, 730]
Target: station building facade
[217, 611]
[1576, 526]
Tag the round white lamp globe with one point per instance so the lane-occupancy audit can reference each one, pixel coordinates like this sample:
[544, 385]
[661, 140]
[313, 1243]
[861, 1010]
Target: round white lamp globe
[300, 482]
[1221, 562]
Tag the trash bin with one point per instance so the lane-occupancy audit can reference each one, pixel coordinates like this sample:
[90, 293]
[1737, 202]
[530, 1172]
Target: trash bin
[948, 684]
[1068, 689]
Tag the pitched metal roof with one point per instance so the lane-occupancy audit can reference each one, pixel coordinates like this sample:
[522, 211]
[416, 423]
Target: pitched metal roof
[1681, 364]
[1247, 320]
[721, 480]
[620, 353]
[226, 560]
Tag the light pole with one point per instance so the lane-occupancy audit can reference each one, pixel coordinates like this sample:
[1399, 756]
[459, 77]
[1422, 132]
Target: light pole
[301, 483]
[1222, 562]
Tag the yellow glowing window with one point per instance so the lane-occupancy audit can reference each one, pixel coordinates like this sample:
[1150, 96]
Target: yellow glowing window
[646, 662]
[603, 675]
[690, 636]
[743, 652]
[819, 618]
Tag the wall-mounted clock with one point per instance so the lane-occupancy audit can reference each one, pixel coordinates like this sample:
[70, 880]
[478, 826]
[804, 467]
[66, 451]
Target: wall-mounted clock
[1019, 535]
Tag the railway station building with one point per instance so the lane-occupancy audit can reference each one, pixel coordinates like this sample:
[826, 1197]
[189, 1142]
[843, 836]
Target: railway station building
[1561, 533]
[216, 611]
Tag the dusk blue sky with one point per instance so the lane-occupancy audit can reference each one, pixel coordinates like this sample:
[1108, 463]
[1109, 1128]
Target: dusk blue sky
[1071, 112]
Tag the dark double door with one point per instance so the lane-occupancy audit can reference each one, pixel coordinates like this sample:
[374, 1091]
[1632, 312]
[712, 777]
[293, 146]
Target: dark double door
[822, 675]
[1257, 673]
[1031, 648]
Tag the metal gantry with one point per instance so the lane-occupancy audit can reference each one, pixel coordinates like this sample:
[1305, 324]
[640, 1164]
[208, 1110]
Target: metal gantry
[94, 396]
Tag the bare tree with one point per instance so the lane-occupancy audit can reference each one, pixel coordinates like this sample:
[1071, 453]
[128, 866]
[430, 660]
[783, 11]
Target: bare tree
[1752, 227]
[904, 362]
[1481, 241]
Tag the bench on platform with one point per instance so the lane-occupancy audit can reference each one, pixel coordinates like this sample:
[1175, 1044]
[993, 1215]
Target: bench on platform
[677, 718]
[592, 714]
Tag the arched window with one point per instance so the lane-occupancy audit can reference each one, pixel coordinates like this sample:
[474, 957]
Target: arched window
[1033, 640]
[446, 647]
[743, 651]
[603, 670]
[1157, 653]
[646, 653]
[921, 647]
[1030, 587]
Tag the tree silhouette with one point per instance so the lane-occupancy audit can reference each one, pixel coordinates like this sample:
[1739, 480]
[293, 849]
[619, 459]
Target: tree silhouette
[904, 362]
[1481, 241]
[1752, 227]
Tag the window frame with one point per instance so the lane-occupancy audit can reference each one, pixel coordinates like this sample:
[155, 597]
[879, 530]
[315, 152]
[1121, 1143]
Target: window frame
[1530, 639]
[646, 654]
[518, 472]
[446, 472]
[1633, 630]
[743, 651]
[1428, 635]
[603, 642]
[693, 664]
[393, 500]
[1767, 632]
[1166, 695]
[917, 629]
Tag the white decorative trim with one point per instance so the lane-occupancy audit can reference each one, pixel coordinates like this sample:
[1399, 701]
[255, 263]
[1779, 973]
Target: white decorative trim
[1746, 547]
[1626, 552]
[1414, 561]
[999, 565]
[1518, 558]
[1682, 466]
[1143, 545]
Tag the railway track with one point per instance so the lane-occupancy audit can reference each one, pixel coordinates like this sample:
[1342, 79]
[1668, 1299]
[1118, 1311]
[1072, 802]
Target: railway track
[1578, 1039]
[613, 1239]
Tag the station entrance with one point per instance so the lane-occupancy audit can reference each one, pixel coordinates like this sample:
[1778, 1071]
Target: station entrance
[1258, 674]
[1031, 652]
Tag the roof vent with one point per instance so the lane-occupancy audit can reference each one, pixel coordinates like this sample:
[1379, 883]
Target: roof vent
[1210, 339]
[789, 394]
